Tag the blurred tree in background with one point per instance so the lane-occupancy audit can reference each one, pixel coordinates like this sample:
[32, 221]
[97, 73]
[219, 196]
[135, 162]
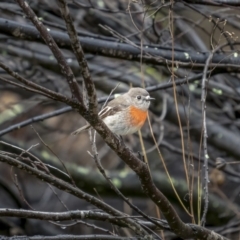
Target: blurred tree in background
[176, 179]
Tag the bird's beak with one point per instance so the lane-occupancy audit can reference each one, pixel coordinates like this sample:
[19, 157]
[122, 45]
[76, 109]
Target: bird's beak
[148, 98]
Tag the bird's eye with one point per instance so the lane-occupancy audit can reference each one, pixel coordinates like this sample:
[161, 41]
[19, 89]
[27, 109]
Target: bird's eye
[139, 97]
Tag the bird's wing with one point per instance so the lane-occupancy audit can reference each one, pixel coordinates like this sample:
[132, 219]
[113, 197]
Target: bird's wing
[111, 109]
[114, 106]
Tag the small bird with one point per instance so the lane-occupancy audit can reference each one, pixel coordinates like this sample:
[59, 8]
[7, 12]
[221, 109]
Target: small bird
[125, 114]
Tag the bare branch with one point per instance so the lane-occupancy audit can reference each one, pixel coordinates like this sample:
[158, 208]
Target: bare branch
[77, 48]
[76, 215]
[205, 136]
[117, 191]
[66, 70]
[32, 86]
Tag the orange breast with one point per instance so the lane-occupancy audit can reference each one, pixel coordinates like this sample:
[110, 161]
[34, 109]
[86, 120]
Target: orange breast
[138, 117]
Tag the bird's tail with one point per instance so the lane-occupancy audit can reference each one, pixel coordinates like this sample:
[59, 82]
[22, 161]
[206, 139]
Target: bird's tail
[81, 130]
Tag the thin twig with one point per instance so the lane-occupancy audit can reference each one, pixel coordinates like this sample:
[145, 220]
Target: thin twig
[66, 70]
[60, 160]
[63, 226]
[205, 136]
[30, 85]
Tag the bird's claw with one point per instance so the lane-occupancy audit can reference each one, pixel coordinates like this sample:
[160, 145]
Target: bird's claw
[120, 138]
[140, 156]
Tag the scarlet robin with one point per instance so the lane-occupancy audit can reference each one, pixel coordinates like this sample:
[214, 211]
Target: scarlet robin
[125, 114]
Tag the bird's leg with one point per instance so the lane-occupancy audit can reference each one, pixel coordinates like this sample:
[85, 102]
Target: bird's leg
[140, 156]
[120, 138]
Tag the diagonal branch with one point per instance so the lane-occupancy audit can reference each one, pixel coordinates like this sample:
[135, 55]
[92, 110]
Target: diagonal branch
[66, 70]
[35, 87]
[117, 191]
[77, 48]
[31, 86]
